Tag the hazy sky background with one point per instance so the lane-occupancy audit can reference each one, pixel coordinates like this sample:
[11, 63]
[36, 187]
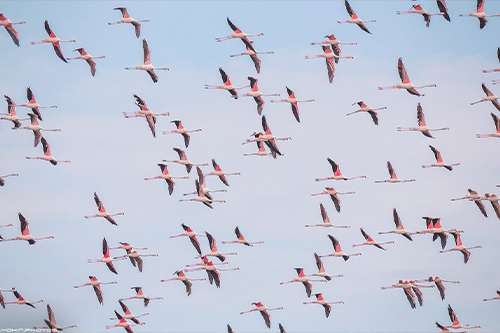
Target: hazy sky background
[271, 199]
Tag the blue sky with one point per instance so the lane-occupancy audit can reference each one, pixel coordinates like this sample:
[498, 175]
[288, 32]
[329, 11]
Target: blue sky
[271, 199]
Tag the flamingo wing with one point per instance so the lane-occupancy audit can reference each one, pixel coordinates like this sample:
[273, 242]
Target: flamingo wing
[295, 111]
[147, 51]
[437, 153]
[92, 65]
[260, 104]
[392, 173]
[330, 68]
[186, 137]
[335, 166]
[38, 135]
[410, 296]
[216, 277]
[418, 292]
[420, 115]
[486, 90]
[273, 147]
[365, 235]
[349, 9]
[481, 207]
[139, 262]
[13, 34]
[363, 27]
[151, 123]
[2, 301]
[137, 28]
[496, 208]
[374, 116]
[496, 120]
[231, 24]
[443, 9]
[153, 75]
[98, 293]
[328, 309]
[324, 214]
[171, 185]
[188, 285]
[47, 28]
[238, 233]
[308, 287]
[451, 313]
[223, 75]
[98, 202]
[336, 50]
[402, 71]
[267, 318]
[46, 147]
[335, 242]
[57, 49]
[441, 288]
[256, 62]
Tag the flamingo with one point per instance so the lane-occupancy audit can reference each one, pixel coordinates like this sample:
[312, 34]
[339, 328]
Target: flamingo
[263, 311]
[489, 97]
[146, 113]
[439, 283]
[497, 127]
[408, 286]
[96, 284]
[282, 330]
[148, 66]
[256, 94]
[370, 241]
[252, 52]
[107, 259]
[211, 269]
[399, 227]
[25, 232]
[183, 131]
[32, 103]
[422, 126]
[88, 58]
[128, 314]
[406, 83]
[21, 300]
[439, 160]
[213, 249]
[227, 85]
[140, 295]
[123, 323]
[330, 56]
[7, 24]
[192, 237]
[493, 198]
[474, 196]
[268, 138]
[12, 116]
[337, 174]
[493, 298]
[202, 197]
[135, 258]
[2, 181]
[365, 108]
[203, 185]
[47, 154]
[459, 246]
[54, 40]
[338, 250]
[333, 195]
[479, 13]
[167, 176]
[304, 279]
[293, 102]
[326, 220]
[237, 33]
[394, 178]
[453, 317]
[417, 9]
[2, 300]
[221, 174]
[445, 330]
[185, 279]
[355, 19]
[494, 70]
[333, 41]
[241, 239]
[434, 227]
[184, 161]
[103, 212]
[36, 128]
[127, 246]
[52, 323]
[321, 301]
[321, 269]
[128, 19]
[262, 151]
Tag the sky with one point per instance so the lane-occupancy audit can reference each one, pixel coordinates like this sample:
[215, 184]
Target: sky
[271, 199]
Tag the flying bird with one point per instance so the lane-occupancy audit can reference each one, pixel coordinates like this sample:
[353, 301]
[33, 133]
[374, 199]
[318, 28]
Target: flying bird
[371, 111]
[201, 196]
[410, 286]
[496, 134]
[321, 269]
[107, 259]
[494, 199]
[140, 295]
[493, 298]
[332, 40]
[21, 300]
[326, 220]
[474, 196]
[434, 227]
[123, 323]
[459, 246]
[263, 311]
[11, 115]
[321, 301]
[227, 85]
[185, 279]
[237, 33]
[417, 9]
[489, 97]
[25, 232]
[36, 128]
[268, 138]
[399, 227]
[394, 178]
[2, 300]
[494, 70]
[214, 252]
[256, 94]
[338, 250]
[331, 55]
[355, 19]
[304, 279]
[146, 113]
[439, 283]
[480, 14]
[7, 24]
[453, 317]
[88, 58]
[337, 174]
[54, 41]
[371, 241]
[422, 126]
[128, 314]
[183, 131]
[293, 102]
[221, 174]
[188, 232]
[184, 161]
[252, 52]
[47, 154]
[128, 19]
[32, 103]
[405, 81]
[211, 269]
[148, 66]
[439, 161]
[241, 239]
[333, 195]
[167, 176]
[52, 323]
[102, 211]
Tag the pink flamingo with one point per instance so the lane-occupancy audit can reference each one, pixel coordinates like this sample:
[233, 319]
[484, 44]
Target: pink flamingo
[148, 66]
[489, 97]
[135, 258]
[127, 246]
[36, 128]
[330, 56]
[7, 24]
[241, 239]
[453, 317]
[237, 33]
[128, 19]
[408, 286]
[183, 131]
[333, 41]
[434, 227]
[370, 241]
[167, 176]
[268, 138]
[338, 250]
[399, 227]
[139, 295]
[52, 323]
[227, 85]
[203, 185]
[355, 19]
[321, 269]
[128, 314]
[439, 283]
[337, 174]
[221, 174]
[493, 298]
[184, 161]
[474, 196]
[304, 279]
[102, 211]
[497, 127]
[494, 69]
[263, 311]
[494, 199]
[146, 113]
[188, 232]
[406, 83]
[252, 52]
[459, 246]
[107, 259]
[12, 116]
[293, 102]
[32, 103]
[47, 156]
[333, 195]
[96, 285]
[88, 58]
[262, 151]
[326, 220]
[25, 232]
[54, 40]
[202, 196]
[211, 269]
[123, 323]
[365, 108]
[439, 161]
[2, 300]
[394, 178]
[21, 300]
[214, 252]
[185, 279]
[479, 13]
[422, 126]
[321, 301]
[417, 9]
[256, 94]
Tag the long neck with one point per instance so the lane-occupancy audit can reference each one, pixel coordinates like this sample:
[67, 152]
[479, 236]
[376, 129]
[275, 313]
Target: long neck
[425, 86]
